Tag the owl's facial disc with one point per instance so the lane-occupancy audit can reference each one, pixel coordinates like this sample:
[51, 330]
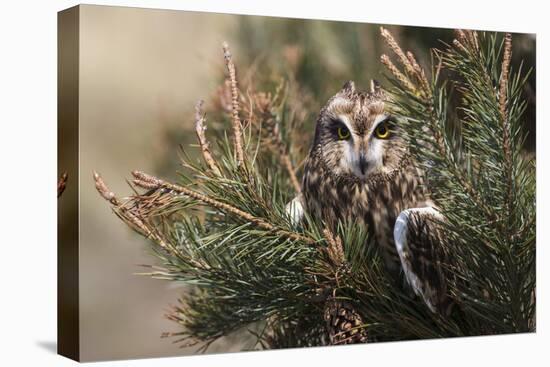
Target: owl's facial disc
[366, 154]
[362, 147]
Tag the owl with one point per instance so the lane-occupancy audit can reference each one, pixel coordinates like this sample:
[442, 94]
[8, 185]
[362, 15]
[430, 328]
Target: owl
[359, 168]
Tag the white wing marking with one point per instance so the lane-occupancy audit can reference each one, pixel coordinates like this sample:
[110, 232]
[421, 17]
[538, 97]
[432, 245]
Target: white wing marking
[400, 232]
[295, 210]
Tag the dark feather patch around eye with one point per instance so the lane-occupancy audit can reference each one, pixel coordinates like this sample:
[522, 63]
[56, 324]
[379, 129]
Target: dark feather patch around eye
[386, 128]
[337, 125]
[336, 122]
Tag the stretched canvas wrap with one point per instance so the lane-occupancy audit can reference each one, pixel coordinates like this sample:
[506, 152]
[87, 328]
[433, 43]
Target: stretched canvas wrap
[232, 183]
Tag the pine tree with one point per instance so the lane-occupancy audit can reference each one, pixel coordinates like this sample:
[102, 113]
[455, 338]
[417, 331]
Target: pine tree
[225, 229]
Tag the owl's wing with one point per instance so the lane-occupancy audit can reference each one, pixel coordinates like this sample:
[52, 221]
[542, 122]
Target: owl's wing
[418, 240]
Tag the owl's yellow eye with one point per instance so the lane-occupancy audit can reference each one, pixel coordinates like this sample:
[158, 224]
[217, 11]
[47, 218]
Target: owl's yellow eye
[382, 131]
[343, 133]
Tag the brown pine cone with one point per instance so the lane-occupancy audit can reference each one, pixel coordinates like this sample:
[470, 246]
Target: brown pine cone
[343, 323]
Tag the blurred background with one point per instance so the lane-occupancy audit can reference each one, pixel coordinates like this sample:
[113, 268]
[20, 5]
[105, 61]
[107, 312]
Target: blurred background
[141, 72]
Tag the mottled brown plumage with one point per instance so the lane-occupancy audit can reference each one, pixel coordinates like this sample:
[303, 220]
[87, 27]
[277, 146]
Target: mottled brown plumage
[355, 171]
[334, 189]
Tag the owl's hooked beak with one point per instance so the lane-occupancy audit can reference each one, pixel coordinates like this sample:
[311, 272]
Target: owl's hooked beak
[360, 165]
[363, 164]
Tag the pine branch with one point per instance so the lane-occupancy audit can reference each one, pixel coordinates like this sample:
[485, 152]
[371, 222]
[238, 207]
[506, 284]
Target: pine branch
[493, 277]
[429, 106]
[144, 180]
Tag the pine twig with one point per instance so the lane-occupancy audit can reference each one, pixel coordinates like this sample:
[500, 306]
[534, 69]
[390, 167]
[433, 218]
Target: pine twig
[200, 128]
[264, 103]
[287, 163]
[404, 80]
[130, 217]
[419, 73]
[459, 45]
[144, 180]
[62, 183]
[392, 43]
[467, 39]
[502, 98]
[412, 68]
[502, 101]
[335, 247]
[235, 120]
[104, 191]
[460, 35]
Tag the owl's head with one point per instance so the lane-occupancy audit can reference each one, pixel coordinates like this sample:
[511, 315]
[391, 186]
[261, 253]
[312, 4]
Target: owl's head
[355, 137]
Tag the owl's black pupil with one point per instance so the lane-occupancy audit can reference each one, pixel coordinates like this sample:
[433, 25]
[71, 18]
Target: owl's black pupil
[343, 132]
[382, 130]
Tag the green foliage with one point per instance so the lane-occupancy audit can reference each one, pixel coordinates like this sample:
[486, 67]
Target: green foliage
[229, 237]
[482, 180]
